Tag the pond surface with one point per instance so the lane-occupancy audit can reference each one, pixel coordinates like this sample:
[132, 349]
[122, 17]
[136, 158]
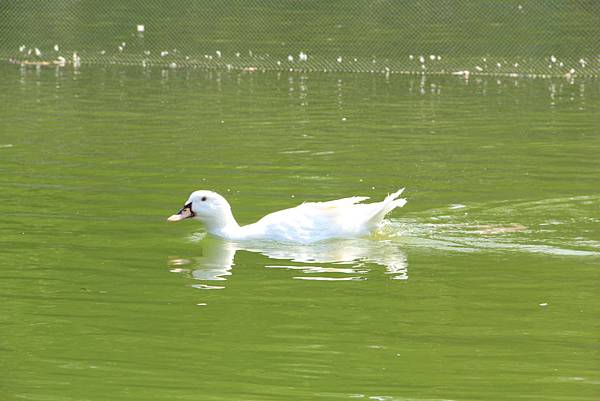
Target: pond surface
[483, 287]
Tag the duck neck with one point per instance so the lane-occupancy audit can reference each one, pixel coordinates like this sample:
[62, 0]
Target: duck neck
[224, 225]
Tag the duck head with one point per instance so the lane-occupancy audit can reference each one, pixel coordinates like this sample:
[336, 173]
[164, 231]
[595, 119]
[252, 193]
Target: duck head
[208, 207]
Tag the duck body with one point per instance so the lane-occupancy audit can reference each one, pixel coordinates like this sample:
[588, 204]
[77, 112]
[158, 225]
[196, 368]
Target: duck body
[305, 223]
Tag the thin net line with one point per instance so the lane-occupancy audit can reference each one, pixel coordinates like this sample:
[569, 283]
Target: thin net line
[535, 37]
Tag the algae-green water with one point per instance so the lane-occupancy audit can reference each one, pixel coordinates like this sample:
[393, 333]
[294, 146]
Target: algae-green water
[483, 287]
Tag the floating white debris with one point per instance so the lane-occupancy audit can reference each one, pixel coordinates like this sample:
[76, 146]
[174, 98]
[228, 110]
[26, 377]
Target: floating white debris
[76, 60]
[439, 58]
[422, 59]
[478, 68]
[344, 118]
[432, 57]
[561, 64]
[120, 48]
[147, 52]
[339, 59]
[56, 48]
[553, 59]
[7, 145]
[278, 62]
[499, 65]
[582, 62]
[22, 48]
[123, 44]
[465, 74]
[61, 61]
[141, 28]
[164, 53]
[173, 65]
[218, 53]
[516, 65]
[37, 52]
[290, 58]
[411, 57]
[103, 52]
[302, 56]
[29, 52]
[237, 54]
[572, 71]
[484, 60]
[544, 304]
[520, 7]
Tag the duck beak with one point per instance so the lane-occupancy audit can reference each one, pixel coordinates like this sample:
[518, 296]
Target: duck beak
[183, 214]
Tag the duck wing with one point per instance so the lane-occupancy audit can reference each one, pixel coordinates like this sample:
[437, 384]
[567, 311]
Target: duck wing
[310, 221]
[316, 221]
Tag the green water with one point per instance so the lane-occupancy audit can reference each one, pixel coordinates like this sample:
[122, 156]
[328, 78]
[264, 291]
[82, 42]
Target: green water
[533, 37]
[483, 287]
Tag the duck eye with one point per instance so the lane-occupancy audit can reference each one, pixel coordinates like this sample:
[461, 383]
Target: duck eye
[203, 198]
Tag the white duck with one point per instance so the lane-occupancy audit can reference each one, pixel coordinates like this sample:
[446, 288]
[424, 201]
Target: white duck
[306, 223]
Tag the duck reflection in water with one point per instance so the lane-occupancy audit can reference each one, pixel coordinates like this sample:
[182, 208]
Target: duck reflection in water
[336, 260]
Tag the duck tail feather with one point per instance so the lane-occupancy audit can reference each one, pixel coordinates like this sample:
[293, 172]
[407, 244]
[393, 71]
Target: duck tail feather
[396, 203]
[394, 195]
[389, 203]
